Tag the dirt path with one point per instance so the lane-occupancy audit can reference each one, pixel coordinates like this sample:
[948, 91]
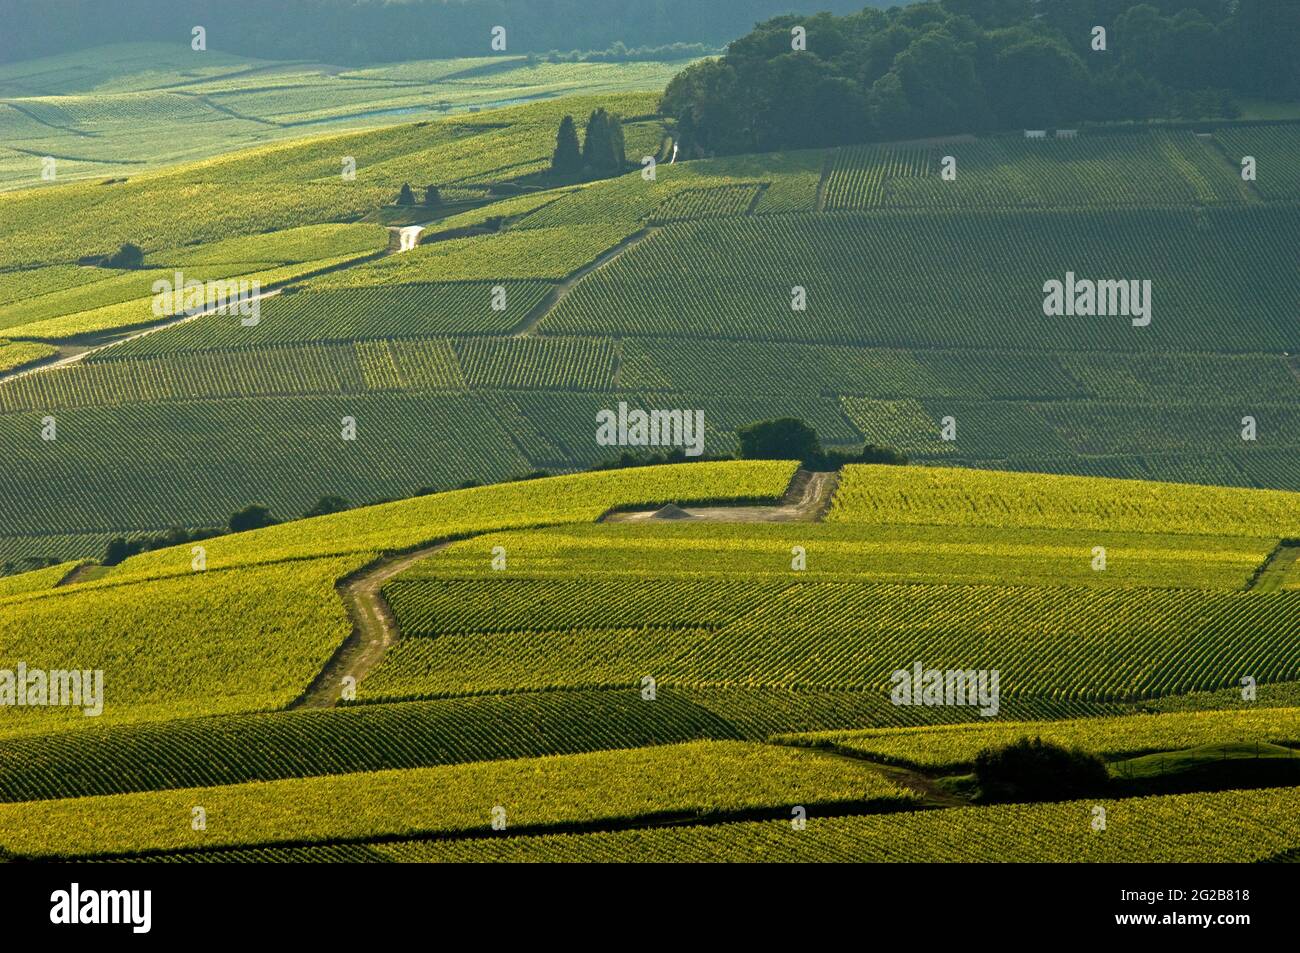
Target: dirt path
[74, 350]
[74, 353]
[1274, 572]
[806, 501]
[560, 291]
[374, 628]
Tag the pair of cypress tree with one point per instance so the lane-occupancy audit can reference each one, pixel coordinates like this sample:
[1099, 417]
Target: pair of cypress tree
[602, 152]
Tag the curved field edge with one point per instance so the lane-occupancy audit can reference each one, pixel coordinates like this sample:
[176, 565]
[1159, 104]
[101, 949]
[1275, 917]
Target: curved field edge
[1223, 827]
[464, 799]
[252, 659]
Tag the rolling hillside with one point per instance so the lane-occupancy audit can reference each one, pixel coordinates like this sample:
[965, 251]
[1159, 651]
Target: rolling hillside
[486, 351]
[618, 672]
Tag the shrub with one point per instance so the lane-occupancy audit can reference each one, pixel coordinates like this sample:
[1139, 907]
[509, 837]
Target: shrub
[1031, 769]
[128, 255]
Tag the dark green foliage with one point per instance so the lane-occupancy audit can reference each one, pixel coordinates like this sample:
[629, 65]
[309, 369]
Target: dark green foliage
[835, 459]
[120, 548]
[432, 196]
[970, 66]
[127, 256]
[328, 504]
[26, 564]
[254, 516]
[627, 459]
[789, 438]
[603, 150]
[406, 196]
[567, 158]
[1032, 769]
[783, 439]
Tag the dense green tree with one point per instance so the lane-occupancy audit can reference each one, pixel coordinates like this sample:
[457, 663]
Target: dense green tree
[326, 505]
[603, 149]
[128, 255]
[1031, 769]
[567, 157]
[785, 438]
[959, 66]
[406, 196]
[254, 516]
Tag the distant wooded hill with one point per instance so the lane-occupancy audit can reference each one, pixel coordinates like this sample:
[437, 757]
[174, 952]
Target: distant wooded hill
[971, 66]
[367, 31]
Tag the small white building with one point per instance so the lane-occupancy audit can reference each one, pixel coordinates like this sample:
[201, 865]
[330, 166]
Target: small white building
[1067, 133]
[1035, 133]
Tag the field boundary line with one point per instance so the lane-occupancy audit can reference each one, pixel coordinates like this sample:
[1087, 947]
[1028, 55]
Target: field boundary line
[819, 203]
[560, 291]
[374, 627]
[679, 817]
[1268, 576]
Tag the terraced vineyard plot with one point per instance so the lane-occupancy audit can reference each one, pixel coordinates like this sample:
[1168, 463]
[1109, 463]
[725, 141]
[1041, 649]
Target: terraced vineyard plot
[1144, 169]
[416, 364]
[58, 547]
[505, 256]
[560, 363]
[1230, 826]
[309, 243]
[351, 314]
[14, 354]
[1255, 470]
[632, 554]
[273, 745]
[1097, 644]
[980, 285]
[630, 200]
[18, 286]
[429, 603]
[1128, 428]
[284, 452]
[721, 202]
[883, 494]
[323, 369]
[954, 747]
[671, 780]
[407, 524]
[1092, 644]
[36, 580]
[568, 420]
[1185, 378]
[861, 175]
[141, 312]
[752, 367]
[266, 633]
[1274, 149]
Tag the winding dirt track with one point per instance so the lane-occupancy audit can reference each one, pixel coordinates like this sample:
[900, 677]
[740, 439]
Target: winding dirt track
[374, 627]
[805, 501]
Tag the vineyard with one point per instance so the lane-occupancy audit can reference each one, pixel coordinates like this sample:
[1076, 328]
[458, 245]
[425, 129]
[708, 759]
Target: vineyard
[492, 648]
[860, 551]
[953, 747]
[1274, 149]
[1229, 827]
[702, 777]
[983, 285]
[1087, 643]
[1160, 169]
[739, 651]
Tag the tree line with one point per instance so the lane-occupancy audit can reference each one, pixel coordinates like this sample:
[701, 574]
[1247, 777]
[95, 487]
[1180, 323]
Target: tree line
[356, 32]
[970, 66]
